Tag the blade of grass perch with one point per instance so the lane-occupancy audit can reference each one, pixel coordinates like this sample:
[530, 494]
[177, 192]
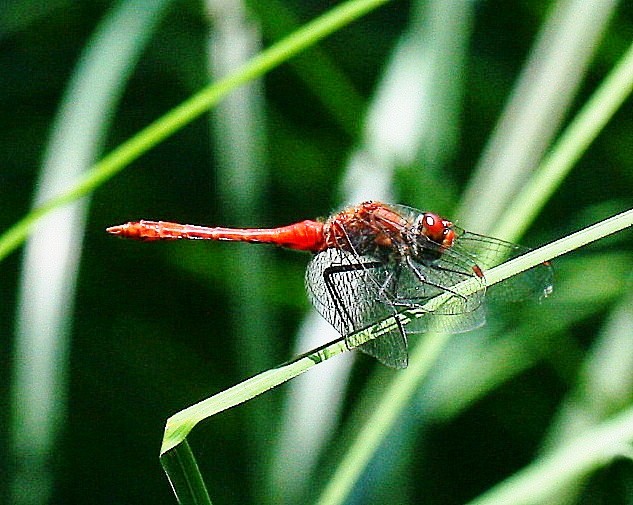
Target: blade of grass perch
[180, 424]
[182, 473]
[189, 110]
[178, 460]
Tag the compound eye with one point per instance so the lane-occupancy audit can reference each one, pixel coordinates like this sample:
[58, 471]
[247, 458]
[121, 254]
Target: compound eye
[437, 229]
[433, 227]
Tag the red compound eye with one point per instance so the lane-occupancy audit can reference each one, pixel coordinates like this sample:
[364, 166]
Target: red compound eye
[438, 229]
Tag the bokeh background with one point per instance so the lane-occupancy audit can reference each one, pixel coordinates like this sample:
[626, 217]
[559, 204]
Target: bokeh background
[104, 339]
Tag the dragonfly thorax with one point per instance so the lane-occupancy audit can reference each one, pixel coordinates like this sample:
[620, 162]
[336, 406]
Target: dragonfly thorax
[381, 231]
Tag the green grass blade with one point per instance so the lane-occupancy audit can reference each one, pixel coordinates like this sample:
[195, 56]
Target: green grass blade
[189, 110]
[240, 144]
[603, 386]
[382, 419]
[315, 67]
[40, 373]
[586, 126]
[538, 482]
[482, 362]
[180, 424]
[540, 100]
[184, 474]
[562, 246]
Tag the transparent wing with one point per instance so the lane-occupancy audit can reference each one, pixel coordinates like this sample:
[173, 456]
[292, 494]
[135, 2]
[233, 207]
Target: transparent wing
[535, 283]
[354, 292]
[350, 292]
[419, 281]
[488, 252]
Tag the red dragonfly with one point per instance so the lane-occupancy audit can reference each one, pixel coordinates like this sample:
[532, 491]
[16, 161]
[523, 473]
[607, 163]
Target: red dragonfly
[375, 260]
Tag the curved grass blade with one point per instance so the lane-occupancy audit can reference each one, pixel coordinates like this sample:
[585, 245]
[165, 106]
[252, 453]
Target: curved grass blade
[50, 266]
[180, 424]
[574, 141]
[536, 109]
[184, 475]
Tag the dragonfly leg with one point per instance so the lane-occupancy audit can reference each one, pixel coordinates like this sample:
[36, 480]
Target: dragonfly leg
[421, 277]
[391, 285]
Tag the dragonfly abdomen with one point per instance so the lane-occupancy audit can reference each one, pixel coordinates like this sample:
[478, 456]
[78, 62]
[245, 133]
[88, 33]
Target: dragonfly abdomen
[303, 236]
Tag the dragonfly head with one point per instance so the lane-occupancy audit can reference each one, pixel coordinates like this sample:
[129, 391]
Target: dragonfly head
[436, 229]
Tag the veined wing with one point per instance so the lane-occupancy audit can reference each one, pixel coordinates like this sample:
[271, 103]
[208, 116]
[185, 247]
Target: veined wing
[354, 292]
[417, 283]
[535, 283]
[350, 292]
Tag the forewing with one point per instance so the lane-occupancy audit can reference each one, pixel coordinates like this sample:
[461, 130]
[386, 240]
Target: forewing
[350, 292]
[420, 281]
[535, 283]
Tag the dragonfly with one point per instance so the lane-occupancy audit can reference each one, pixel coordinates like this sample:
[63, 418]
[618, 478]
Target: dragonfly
[376, 261]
